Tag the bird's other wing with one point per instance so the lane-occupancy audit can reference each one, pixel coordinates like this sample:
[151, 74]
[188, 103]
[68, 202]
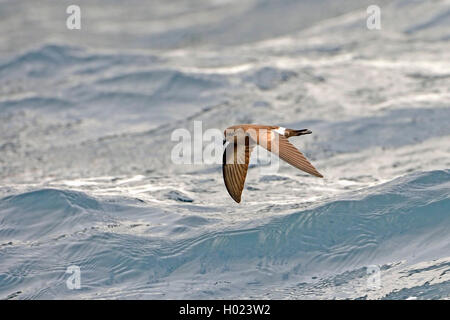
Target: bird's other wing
[235, 165]
[286, 151]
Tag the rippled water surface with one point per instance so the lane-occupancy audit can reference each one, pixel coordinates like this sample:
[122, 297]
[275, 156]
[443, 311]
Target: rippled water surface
[86, 177]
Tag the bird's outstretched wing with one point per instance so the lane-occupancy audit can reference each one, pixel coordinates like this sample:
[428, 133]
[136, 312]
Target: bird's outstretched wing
[286, 151]
[235, 165]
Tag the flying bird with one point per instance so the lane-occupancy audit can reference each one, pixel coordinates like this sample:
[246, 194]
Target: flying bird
[239, 143]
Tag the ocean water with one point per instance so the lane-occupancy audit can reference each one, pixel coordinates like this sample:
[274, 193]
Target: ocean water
[87, 179]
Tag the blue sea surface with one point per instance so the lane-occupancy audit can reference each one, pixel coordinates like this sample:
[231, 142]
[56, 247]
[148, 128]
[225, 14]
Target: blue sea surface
[87, 179]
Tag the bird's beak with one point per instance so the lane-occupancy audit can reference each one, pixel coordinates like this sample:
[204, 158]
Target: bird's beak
[304, 131]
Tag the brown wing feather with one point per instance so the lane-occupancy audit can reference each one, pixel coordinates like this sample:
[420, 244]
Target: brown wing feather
[235, 167]
[286, 151]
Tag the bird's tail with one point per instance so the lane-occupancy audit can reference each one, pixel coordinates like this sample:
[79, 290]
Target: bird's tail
[293, 133]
